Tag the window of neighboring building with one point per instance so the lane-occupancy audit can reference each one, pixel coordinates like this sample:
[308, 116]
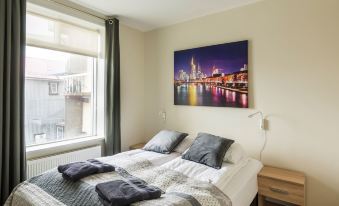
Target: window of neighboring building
[40, 138]
[53, 88]
[60, 80]
[60, 131]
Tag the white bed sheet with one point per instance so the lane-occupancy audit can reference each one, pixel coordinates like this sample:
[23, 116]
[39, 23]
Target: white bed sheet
[237, 181]
[155, 158]
[203, 172]
[243, 186]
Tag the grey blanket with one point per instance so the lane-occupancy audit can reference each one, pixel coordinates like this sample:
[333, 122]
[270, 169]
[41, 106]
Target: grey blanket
[51, 189]
[126, 192]
[77, 170]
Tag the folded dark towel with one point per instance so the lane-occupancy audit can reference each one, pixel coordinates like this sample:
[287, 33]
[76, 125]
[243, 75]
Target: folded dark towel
[120, 192]
[77, 170]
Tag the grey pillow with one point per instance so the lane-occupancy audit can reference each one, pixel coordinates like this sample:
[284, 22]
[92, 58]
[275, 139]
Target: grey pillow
[165, 141]
[208, 149]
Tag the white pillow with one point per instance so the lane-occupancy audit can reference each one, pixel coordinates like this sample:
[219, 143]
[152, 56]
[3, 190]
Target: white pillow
[234, 154]
[184, 144]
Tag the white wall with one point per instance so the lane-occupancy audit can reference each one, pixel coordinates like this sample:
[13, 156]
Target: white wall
[132, 86]
[294, 80]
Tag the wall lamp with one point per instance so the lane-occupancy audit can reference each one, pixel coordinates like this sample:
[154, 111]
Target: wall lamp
[263, 127]
[262, 123]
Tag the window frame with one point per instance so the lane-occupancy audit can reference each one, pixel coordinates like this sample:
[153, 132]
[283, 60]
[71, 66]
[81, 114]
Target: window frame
[96, 136]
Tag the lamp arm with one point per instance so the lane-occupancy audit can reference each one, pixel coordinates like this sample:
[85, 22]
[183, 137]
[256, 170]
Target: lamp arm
[259, 112]
[263, 128]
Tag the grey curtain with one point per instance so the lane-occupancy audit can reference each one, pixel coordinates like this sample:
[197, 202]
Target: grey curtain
[112, 127]
[12, 63]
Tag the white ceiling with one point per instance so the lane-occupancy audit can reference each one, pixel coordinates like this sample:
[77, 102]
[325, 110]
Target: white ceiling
[146, 15]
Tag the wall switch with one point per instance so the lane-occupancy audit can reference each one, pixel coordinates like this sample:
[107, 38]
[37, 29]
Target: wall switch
[163, 115]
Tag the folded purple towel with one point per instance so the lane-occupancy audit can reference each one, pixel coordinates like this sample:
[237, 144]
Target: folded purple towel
[77, 170]
[121, 192]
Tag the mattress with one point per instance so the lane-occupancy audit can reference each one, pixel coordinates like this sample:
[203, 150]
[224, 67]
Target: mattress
[243, 186]
[155, 158]
[237, 181]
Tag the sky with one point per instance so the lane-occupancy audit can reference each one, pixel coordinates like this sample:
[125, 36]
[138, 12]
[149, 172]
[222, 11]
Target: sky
[229, 57]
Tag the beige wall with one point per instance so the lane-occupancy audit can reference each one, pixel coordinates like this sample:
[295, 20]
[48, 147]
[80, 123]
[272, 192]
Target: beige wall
[294, 80]
[132, 86]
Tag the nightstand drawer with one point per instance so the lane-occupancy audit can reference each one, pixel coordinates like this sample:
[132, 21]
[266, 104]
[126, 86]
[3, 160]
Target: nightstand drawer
[281, 190]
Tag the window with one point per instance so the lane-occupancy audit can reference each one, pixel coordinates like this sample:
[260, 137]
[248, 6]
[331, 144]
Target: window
[60, 80]
[53, 88]
[40, 138]
[60, 131]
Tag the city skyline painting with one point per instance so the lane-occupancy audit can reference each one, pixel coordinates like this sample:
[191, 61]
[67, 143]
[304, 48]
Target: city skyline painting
[214, 75]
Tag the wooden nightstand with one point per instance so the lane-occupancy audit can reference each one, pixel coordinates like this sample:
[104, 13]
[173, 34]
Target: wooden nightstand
[137, 146]
[280, 184]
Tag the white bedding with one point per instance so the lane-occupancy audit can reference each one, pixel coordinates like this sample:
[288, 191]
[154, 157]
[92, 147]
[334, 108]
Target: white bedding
[243, 187]
[203, 172]
[155, 158]
[237, 181]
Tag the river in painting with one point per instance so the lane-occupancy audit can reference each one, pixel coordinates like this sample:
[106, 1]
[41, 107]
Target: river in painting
[204, 94]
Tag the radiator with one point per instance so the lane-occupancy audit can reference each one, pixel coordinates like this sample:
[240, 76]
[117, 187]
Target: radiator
[40, 165]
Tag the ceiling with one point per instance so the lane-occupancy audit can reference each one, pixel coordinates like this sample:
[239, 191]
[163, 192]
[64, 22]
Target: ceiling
[146, 15]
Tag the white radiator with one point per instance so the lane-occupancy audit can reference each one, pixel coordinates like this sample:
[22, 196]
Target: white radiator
[40, 165]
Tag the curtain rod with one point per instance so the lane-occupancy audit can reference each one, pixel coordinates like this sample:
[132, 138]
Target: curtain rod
[82, 11]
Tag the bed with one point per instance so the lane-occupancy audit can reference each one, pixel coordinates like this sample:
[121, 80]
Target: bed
[232, 184]
[206, 171]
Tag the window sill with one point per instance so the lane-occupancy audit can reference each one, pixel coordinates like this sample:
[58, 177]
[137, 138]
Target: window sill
[37, 151]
